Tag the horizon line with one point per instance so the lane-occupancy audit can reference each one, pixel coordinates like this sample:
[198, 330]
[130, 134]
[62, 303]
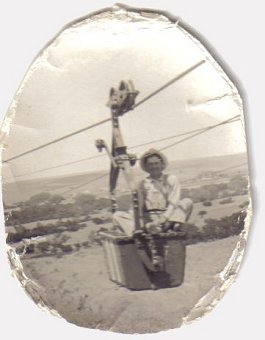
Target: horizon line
[102, 170]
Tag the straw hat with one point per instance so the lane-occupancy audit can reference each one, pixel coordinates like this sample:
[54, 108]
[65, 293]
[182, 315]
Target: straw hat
[150, 153]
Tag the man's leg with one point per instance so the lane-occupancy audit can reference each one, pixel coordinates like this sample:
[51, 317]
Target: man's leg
[188, 206]
[124, 221]
[183, 211]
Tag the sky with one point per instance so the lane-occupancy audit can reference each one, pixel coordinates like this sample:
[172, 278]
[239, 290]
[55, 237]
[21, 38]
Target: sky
[67, 88]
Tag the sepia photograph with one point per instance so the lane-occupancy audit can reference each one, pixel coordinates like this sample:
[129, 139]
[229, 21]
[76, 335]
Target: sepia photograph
[125, 176]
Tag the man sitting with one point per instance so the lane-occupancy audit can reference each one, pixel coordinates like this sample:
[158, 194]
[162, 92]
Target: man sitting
[160, 206]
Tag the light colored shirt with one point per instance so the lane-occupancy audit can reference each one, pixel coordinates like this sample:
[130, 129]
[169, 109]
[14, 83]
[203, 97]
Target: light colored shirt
[161, 194]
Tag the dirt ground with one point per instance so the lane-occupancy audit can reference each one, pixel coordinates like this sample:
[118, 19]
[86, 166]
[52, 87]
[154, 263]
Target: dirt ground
[77, 286]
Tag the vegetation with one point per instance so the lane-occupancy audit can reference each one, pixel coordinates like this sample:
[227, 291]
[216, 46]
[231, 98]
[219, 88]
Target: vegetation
[244, 204]
[212, 230]
[238, 185]
[41, 230]
[82, 207]
[202, 213]
[215, 228]
[226, 200]
[45, 206]
[207, 203]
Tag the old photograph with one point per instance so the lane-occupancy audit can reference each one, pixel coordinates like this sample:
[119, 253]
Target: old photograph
[125, 174]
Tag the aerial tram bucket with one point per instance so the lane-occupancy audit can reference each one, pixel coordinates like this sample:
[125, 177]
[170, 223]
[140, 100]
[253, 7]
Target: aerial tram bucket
[143, 260]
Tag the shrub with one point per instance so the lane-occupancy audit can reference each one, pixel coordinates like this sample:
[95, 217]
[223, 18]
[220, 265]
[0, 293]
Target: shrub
[224, 227]
[226, 201]
[207, 203]
[215, 229]
[43, 247]
[85, 244]
[39, 198]
[244, 204]
[202, 213]
[101, 220]
[66, 248]
[192, 232]
[73, 227]
[30, 249]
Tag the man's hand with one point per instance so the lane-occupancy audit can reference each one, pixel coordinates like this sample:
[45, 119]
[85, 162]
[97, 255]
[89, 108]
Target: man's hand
[156, 225]
[162, 219]
[159, 220]
[153, 228]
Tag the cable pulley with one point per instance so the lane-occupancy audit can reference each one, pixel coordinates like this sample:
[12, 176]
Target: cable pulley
[122, 98]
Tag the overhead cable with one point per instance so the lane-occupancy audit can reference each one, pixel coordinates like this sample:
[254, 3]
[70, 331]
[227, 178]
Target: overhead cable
[107, 119]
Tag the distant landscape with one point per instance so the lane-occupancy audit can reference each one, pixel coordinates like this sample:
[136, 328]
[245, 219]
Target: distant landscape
[52, 206]
[194, 172]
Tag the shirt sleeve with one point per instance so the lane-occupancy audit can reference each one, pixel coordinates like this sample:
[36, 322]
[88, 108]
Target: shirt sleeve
[173, 196]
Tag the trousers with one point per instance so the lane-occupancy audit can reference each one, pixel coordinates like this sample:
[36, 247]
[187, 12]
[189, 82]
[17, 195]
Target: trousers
[125, 222]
